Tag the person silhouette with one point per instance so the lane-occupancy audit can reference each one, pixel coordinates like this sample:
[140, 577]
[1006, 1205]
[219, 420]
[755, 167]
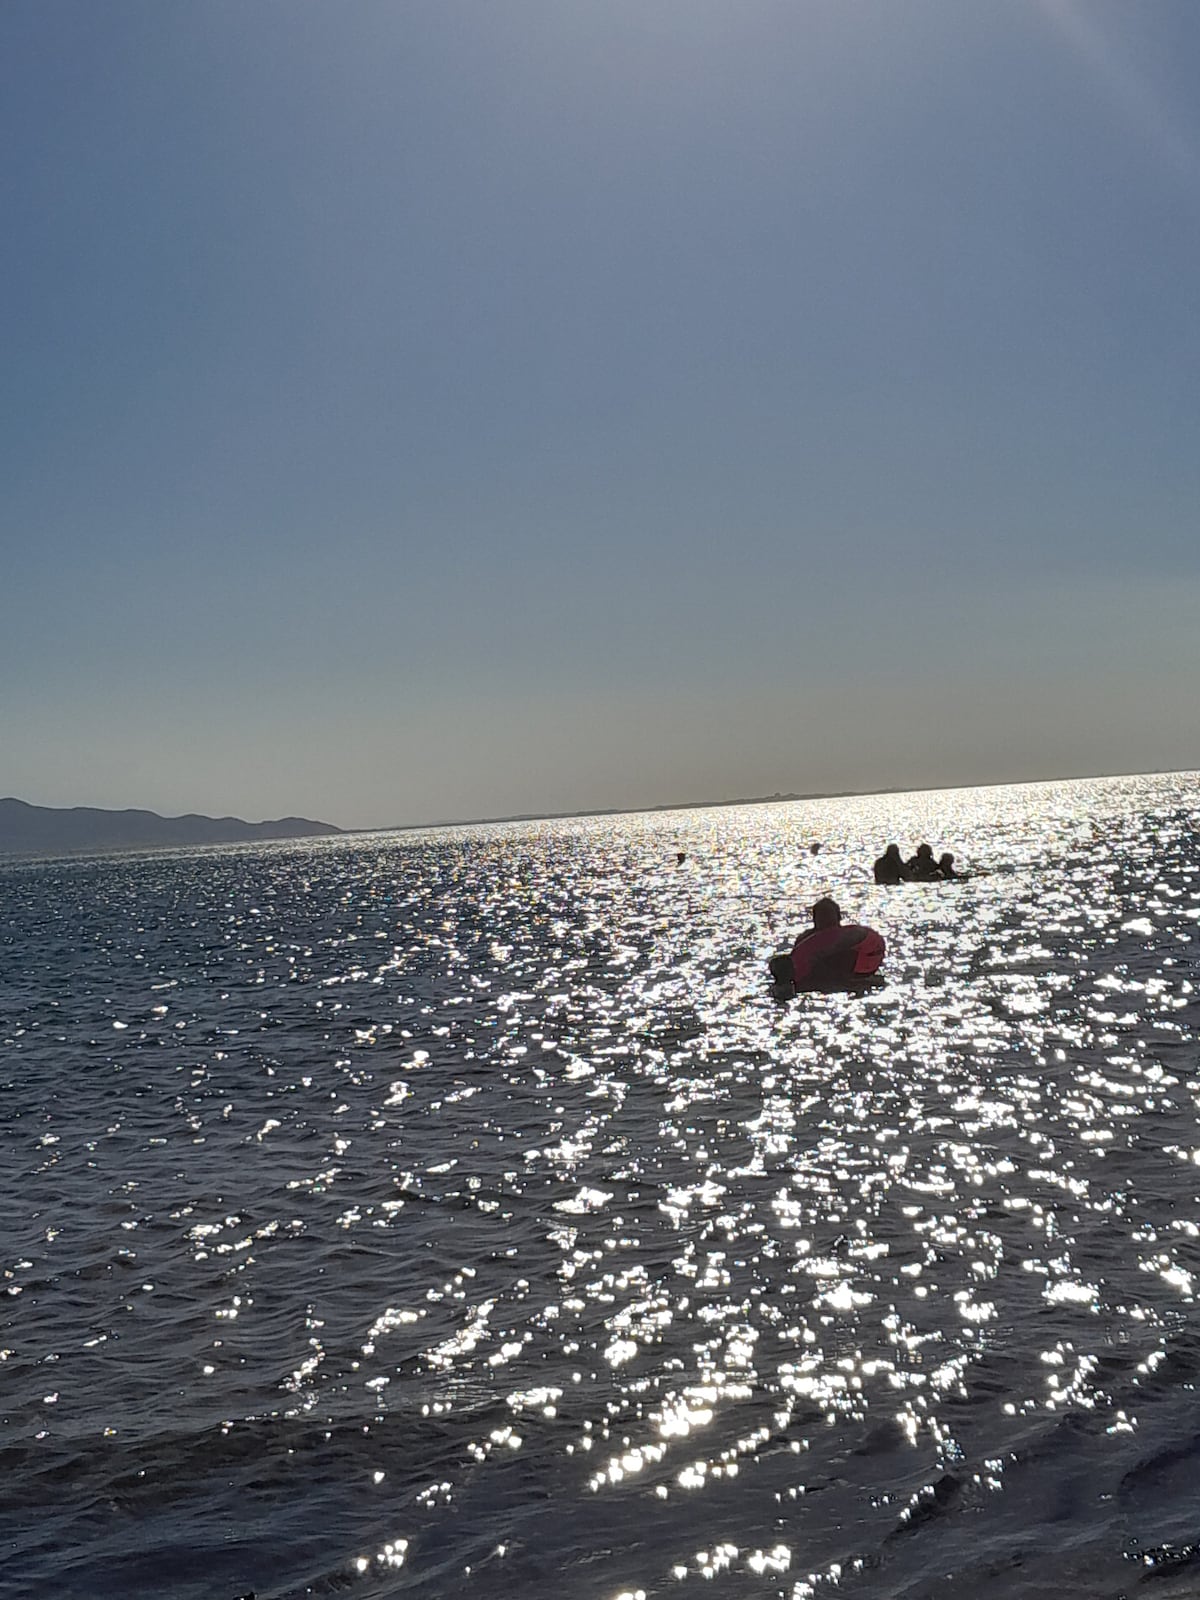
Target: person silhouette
[922, 867]
[889, 868]
[831, 954]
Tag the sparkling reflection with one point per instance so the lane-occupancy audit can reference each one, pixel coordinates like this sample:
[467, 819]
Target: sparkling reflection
[462, 1204]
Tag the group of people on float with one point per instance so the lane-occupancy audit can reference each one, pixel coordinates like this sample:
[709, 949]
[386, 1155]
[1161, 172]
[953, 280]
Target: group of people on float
[921, 868]
[837, 955]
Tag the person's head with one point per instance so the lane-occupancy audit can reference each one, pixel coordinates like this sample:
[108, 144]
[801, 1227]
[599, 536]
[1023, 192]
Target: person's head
[892, 852]
[947, 860]
[815, 847]
[826, 913]
[924, 852]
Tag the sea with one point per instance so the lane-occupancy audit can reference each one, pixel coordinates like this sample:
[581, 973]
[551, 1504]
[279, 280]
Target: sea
[460, 1213]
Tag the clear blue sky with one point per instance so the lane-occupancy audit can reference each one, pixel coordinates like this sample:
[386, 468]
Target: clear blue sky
[454, 407]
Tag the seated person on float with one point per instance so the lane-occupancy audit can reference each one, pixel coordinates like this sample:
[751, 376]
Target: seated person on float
[831, 953]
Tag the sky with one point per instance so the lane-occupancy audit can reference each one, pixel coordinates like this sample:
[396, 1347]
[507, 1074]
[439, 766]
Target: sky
[456, 408]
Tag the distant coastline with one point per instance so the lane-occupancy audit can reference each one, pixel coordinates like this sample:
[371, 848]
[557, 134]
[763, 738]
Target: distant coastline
[50, 830]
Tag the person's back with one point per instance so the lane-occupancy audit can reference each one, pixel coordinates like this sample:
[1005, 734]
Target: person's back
[833, 954]
[922, 866]
[889, 868]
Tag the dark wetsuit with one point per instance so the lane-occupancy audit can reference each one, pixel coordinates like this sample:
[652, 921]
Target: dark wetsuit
[889, 869]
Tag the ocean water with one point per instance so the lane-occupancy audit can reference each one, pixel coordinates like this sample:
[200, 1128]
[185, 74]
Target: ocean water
[457, 1213]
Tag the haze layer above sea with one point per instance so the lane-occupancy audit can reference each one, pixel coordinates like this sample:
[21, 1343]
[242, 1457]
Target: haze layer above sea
[457, 1213]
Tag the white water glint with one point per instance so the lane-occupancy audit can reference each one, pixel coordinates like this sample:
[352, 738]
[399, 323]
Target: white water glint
[476, 1211]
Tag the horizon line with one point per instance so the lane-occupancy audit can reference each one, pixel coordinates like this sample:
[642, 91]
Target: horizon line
[762, 800]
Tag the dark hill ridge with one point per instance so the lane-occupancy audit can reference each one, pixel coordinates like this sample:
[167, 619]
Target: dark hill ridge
[48, 830]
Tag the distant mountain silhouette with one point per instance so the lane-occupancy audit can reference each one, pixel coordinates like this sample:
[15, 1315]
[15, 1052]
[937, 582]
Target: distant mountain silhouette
[47, 830]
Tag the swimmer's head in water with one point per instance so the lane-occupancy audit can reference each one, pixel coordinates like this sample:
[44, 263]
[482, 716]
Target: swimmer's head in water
[826, 913]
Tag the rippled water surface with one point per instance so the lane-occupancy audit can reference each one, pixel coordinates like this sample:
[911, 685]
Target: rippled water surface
[458, 1213]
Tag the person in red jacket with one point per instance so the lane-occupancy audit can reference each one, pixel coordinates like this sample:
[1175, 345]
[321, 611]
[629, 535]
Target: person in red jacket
[831, 954]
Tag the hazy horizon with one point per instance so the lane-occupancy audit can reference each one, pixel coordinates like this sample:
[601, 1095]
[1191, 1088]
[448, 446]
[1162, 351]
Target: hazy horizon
[424, 412]
[633, 809]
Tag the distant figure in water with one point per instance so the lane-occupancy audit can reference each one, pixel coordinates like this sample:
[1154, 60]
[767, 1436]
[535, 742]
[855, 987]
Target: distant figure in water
[946, 866]
[889, 868]
[922, 867]
[681, 858]
[831, 955]
[814, 849]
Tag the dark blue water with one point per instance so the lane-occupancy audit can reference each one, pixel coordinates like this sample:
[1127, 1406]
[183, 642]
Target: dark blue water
[457, 1213]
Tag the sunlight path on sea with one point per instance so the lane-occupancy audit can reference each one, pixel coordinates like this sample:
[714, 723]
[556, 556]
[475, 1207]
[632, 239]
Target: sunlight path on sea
[461, 1206]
